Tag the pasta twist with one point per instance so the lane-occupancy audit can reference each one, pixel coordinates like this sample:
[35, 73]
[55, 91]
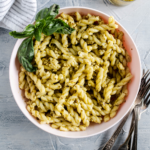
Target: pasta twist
[110, 37]
[39, 115]
[111, 22]
[84, 46]
[81, 80]
[48, 98]
[114, 111]
[59, 105]
[37, 44]
[37, 82]
[96, 59]
[45, 42]
[65, 93]
[79, 34]
[68, 127]
[113, 58]
[119, 65]
[76, 75]
[120, 99]
[27, 93]
[99, 109]
[22, 80]
[72, 98]
[58, 44]
[68, 117]
[122, 83]
[64, 40]
[55, 86]
[32, 89]
[99, 79]
[74, 114]
[57, 36]
[40, 66]
[106, 118]
[95, 112]
[83, 115]
[108, 89]
[96, 40]
[70, 20]
[97, 96]
[41, 106]
[90, 21]
[89, 72]
[51, 53]
[96, 119]
[73, 37]
[106, 65]
[87, 107]
[103, 38]
[91, 83]
[78, 16]
[118, 77]
[82, 94]
[107, 53]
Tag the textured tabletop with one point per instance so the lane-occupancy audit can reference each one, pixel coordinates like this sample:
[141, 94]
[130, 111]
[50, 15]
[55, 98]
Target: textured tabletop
[18, 133]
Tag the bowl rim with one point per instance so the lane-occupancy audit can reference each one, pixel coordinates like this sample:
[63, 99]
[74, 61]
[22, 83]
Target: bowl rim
[126, 111]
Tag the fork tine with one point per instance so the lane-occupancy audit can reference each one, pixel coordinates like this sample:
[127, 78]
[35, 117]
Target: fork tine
[143, 78]
[145, 91]
[147, 100]
[143, 85]
[146, 74]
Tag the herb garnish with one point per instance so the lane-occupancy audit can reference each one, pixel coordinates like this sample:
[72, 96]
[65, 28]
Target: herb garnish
[46, 23]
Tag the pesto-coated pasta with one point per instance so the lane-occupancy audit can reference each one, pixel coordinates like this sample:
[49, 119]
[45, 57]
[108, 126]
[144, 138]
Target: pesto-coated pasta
[81, 77]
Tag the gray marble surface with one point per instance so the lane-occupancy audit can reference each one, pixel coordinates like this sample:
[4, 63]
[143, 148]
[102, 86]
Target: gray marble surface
[18, 133]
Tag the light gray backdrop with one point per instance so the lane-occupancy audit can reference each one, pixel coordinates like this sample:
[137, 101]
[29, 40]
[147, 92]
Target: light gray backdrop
[18, 133]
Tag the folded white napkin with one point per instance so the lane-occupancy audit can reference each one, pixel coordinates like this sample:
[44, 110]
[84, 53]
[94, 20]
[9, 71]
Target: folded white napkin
[16, 14]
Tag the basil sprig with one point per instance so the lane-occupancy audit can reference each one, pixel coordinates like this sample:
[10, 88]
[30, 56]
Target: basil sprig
[58, 26]
[39, 25]
[46, 23]
[51, 12]
[26, 54]
[28, 31]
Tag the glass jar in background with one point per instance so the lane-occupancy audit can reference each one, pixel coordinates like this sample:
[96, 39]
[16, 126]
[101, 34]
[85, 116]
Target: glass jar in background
[121, 2]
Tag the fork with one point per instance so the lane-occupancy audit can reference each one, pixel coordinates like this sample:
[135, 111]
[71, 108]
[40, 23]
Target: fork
[146, 101]
[126, 145]
[138, 101]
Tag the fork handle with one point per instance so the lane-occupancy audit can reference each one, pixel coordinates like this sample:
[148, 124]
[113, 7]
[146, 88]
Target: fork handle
[112, 140]
[136, 111]
[127, 144]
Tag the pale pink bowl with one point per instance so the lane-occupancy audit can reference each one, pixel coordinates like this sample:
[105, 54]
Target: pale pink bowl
[93, 129]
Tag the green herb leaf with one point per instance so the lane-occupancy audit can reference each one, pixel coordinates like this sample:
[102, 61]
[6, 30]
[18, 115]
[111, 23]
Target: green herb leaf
[45, 23]
[28, 31]
[58, 26]
[26, 54]
[27, 65]
[52, 12]
[38, 29]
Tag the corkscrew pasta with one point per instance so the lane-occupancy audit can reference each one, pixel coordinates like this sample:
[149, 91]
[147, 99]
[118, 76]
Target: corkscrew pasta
[81, 77]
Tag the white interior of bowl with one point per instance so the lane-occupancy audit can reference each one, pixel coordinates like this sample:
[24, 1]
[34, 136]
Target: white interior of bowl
[93, 129]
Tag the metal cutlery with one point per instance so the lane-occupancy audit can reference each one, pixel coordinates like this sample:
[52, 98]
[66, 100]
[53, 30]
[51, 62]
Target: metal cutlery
[141, 109]
[126, 145]
[142, 106]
